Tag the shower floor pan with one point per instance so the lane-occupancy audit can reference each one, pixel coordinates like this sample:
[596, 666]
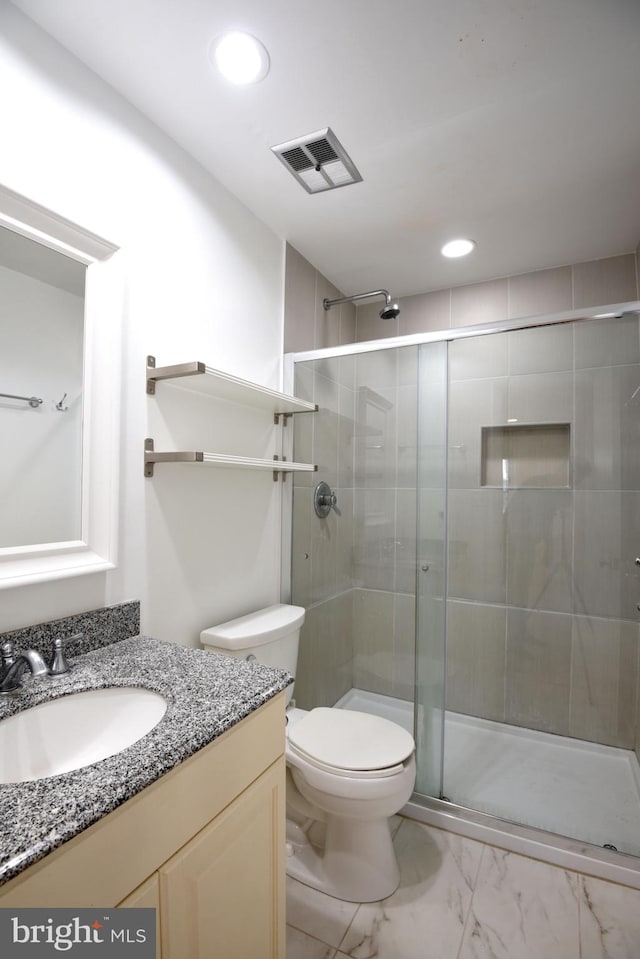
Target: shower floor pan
[578, 789]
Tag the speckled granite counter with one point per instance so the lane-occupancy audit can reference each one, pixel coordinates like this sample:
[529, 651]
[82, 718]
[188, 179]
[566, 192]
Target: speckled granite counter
[206, 693]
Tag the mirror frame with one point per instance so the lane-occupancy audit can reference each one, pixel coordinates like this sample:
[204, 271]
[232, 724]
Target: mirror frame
[96, 550]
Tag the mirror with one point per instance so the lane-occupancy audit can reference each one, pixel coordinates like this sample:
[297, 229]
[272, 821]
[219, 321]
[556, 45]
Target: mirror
[60, 306]
[41, 367]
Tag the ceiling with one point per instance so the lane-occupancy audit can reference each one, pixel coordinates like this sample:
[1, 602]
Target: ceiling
[514, 122]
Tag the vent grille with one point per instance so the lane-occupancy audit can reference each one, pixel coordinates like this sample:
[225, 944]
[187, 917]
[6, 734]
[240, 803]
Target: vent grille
[322, 151]
[297, 159]
[318, 161]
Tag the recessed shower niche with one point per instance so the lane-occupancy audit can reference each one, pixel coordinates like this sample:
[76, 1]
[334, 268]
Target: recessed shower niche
[526, 455]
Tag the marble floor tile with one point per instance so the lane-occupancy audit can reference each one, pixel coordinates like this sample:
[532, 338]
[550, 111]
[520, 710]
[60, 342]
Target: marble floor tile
[609, 920]
[522, 909]
[460, 899]
[425, 917]
[317, 914]
[302, 946]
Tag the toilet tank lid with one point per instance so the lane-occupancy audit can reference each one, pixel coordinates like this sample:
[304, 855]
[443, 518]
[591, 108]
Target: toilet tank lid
[255, 629]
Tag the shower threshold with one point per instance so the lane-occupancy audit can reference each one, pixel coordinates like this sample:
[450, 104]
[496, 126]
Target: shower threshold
[578, 789]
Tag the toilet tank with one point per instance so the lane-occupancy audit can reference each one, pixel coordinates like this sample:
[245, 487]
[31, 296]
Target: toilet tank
[271, 635]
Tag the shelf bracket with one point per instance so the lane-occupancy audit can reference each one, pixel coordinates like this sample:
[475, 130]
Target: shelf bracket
[148, 448]
[279, 473]
[170, 372]
[288, 416]
[151, 457]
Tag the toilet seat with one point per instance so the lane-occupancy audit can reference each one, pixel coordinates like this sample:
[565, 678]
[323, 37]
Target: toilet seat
[292, 751]
[350, 743]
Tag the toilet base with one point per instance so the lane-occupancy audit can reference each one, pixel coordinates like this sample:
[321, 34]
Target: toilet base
[357, 862]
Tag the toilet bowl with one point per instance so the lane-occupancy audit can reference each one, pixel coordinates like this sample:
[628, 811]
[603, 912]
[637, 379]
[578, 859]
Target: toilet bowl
[347, 772]
[354, 771]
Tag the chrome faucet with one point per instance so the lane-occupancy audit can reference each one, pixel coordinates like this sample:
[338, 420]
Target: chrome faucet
[14, 666]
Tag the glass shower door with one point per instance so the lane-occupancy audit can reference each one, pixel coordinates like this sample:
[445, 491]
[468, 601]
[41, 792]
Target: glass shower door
[542, 581]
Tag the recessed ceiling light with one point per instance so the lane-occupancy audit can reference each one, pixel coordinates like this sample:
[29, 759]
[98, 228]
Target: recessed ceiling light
[239, 57]
[456, 248]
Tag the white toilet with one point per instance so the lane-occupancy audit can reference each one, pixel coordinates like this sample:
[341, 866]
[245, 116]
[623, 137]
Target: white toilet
[347, 772]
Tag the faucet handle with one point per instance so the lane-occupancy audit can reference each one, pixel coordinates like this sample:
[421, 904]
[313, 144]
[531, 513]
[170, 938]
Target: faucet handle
[8, 655]
[59, 664]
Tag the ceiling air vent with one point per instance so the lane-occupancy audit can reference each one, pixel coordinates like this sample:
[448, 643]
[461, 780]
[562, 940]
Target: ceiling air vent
[318, 161]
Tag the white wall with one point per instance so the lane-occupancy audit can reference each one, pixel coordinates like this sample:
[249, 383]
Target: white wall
[204, 280]
[41, 337]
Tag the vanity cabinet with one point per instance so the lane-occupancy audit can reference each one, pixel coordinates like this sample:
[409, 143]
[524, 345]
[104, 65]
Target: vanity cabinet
[219, 896]
[147, 896]
[204, 845]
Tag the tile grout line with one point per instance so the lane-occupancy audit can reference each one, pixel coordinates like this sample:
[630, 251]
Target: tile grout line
[339, 949]
[582, 897]
[315, 939]
[470, 909]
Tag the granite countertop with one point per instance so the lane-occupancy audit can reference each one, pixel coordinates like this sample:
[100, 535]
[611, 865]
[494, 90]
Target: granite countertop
[206, 693]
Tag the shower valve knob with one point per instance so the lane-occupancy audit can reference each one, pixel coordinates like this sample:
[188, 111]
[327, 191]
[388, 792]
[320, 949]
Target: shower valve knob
[324, 500]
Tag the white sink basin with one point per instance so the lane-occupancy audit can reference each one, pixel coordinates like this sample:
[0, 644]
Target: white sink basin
[75, 731]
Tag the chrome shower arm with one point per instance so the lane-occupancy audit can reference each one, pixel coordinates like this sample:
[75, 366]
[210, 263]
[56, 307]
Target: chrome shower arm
[327, 304]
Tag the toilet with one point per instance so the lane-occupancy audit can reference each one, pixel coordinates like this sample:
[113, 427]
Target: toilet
[347, 772]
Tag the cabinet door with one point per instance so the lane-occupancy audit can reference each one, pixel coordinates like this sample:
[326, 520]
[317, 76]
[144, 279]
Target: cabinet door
[146, 896]
[222, 895]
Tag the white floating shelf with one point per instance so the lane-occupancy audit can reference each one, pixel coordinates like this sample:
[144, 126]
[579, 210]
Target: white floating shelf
[221, 460]
[204, 379]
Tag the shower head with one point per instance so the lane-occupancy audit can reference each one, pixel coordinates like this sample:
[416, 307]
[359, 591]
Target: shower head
[388, 312]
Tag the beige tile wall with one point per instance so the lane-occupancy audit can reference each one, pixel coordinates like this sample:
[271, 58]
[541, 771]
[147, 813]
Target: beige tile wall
[322, 547]
[325, 660]
[383, 642]
[595, 283]
[363, 439]
[307, 325]
[361, 638]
